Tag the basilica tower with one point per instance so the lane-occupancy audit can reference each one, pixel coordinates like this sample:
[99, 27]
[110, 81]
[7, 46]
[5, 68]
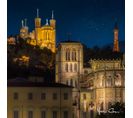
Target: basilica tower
[24, 29]
[37, 28]
[116, 40]
[37, 20]
[53, 21]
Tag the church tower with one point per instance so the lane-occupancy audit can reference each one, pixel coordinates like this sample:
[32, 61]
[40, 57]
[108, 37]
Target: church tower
[53, 21]
[116, 40]
[69, 63]
[37, 20]
[24, 29]
[37, 28]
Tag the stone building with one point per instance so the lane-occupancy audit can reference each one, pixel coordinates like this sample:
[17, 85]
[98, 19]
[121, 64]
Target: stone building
[69, 62]
[27, 99]
[95, 87]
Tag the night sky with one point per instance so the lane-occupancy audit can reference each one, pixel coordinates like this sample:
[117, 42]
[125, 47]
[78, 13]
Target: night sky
[88, 21]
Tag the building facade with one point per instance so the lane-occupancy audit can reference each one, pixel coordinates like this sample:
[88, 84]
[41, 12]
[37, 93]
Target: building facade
[38, 100]
[107, 82]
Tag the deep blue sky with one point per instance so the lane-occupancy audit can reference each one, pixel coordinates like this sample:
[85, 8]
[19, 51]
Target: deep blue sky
[88, 21]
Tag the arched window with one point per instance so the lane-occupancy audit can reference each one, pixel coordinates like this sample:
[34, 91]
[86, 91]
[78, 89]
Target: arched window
[71, 68]
[109, 81]
[66, 67]
[74, 55]
[75, 67]
[67, 54]
[118, 80]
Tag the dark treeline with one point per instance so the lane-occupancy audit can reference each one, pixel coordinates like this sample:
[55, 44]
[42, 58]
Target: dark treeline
[96, 52]
[41, 61]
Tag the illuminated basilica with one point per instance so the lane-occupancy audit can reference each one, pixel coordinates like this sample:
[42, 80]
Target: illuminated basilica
[42, 36]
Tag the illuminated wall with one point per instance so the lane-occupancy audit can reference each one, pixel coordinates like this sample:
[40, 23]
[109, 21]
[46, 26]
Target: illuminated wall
[69, 63]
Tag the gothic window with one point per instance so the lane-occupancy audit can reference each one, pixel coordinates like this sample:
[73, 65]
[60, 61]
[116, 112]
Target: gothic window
[75, 67]
[71, 68]
[66, 67]
[109, 81]
[67, 54]
[74, 55]
[118, 80]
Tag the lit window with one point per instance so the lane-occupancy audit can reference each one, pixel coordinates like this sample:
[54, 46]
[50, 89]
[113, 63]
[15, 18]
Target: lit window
[15, 96]
[30, 96]
[117, 80]
[65, 96]
[43, 114]
[15, 114]
[65, 114]
[43, 96]
[30, 114]
[54, 114]
[54, 96]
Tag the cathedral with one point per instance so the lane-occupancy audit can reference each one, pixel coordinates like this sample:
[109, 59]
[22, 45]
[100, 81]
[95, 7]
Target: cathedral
[95, 88]
[42, 35]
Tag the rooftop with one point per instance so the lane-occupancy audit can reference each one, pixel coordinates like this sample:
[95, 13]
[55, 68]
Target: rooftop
[22, 82]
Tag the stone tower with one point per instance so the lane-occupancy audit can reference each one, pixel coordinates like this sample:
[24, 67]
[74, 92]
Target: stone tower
[69, 63]
[116, 40]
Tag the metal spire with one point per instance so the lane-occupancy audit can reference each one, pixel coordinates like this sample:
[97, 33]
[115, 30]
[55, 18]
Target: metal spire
[22, 23]
[52, 14]
[37, 13]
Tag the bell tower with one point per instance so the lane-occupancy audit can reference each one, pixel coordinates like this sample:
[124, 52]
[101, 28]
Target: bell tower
[37, 20]
[116, 40]
[53, 21]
